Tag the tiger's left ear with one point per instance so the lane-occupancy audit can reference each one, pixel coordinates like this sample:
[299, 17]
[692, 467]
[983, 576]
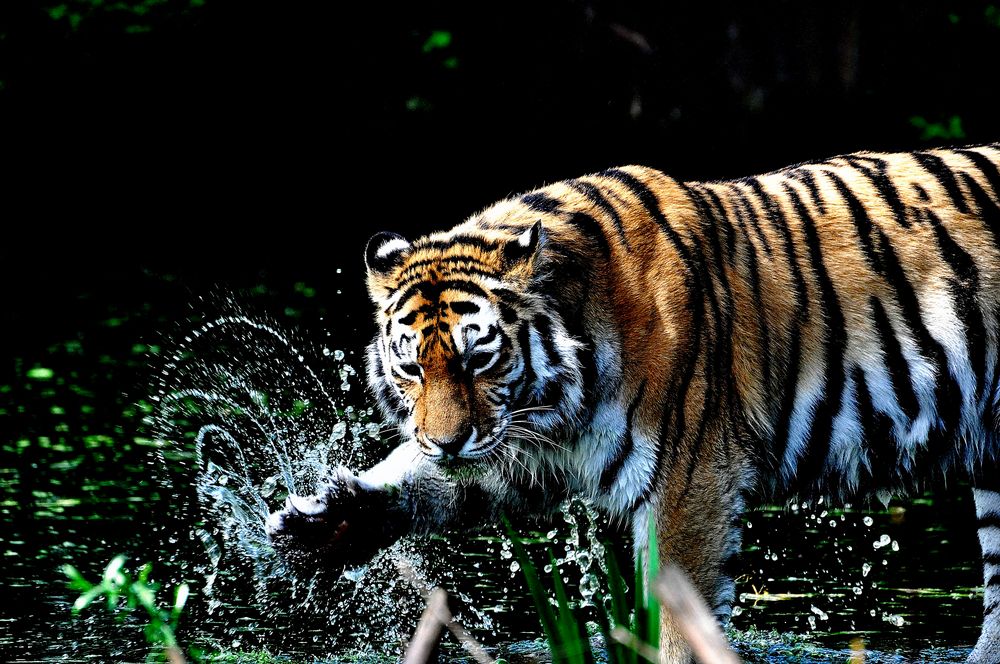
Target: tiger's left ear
[384, 252]
[525, 246]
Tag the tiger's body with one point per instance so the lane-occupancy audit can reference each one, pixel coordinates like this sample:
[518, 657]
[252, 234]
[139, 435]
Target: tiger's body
[827, 329]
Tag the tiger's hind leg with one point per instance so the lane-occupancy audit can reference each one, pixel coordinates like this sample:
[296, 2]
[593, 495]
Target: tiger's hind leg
[987, 650]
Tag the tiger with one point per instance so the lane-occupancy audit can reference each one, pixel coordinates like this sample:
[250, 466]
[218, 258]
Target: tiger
[674, 351]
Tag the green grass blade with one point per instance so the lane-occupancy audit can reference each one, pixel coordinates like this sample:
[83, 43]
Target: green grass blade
[545, 613]
[652, 635]
[617, 652]
[572, 627]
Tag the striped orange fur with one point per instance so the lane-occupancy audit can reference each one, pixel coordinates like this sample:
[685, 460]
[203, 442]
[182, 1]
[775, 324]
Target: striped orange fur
[827, 329]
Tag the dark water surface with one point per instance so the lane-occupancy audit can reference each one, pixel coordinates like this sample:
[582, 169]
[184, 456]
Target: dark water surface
[85, 474]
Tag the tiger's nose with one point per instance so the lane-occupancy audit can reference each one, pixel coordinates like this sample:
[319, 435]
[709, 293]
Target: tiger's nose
[456, 444]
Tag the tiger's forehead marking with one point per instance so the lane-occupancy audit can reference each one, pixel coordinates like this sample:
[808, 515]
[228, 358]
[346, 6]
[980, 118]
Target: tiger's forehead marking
[443, 311]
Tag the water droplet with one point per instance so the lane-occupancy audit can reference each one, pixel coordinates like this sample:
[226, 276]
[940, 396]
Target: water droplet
[737, 610]
[514, 566]
[339, 431]
[867, 567]
[868, 521]
[882, 541]
[895, 545]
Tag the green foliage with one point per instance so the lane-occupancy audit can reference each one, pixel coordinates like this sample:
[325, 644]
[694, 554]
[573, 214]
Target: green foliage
[929, 131]
[993, 15]
[116, 586]
[438, 39]
[134, 16]
[565, 625]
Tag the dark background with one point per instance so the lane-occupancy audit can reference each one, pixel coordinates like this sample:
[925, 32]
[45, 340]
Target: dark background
[159, 151]
[223, 142]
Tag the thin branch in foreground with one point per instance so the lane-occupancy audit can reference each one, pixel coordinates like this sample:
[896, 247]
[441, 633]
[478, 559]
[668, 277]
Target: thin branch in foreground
[692, 616]
[437, 609]
[429, 629]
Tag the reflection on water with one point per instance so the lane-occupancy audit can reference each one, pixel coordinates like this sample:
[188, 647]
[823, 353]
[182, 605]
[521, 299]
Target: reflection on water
[97, 463]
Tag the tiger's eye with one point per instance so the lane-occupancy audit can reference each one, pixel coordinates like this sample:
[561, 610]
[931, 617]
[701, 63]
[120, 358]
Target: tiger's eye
[479, 360]
[410, 369]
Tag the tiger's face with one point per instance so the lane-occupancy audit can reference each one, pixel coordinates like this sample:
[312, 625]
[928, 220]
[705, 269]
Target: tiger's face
[446, 364]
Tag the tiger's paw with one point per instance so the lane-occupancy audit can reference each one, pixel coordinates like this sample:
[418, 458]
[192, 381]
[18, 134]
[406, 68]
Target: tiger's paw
[344, 525]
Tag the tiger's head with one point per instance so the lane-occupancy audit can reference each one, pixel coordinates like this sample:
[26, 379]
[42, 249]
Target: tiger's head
[468, 354]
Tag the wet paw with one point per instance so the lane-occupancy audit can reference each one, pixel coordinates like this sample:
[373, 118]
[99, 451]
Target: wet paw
[342, 525]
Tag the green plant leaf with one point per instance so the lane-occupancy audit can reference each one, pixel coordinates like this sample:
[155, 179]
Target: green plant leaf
[76, 580]
[180, 599]
[652, 633]
[113, 572]
[84, 600]
[545, 613]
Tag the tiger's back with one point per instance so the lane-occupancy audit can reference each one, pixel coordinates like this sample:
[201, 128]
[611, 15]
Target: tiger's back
[848, 308]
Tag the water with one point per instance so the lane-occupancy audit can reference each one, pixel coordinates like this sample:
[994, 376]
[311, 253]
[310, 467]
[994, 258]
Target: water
[168, 434]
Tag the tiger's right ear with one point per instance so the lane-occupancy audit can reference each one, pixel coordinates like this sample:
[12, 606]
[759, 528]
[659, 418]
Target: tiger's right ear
[384, 252]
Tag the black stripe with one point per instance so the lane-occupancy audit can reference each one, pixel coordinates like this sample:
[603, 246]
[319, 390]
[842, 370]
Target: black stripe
[945, 177]
[753, 269]
[408, 319]
[835, 343]
[921, 192]
[471, 240]
[544, 326]
[552, 395]
[490, 335]
[472, 261]
[672, 419]
[788, 392]
[432, 291]
[777, 219]
[652, 205]
[947, 391]
[881, 450]
[991, 520]
[723, 218]
[987, 167]
[884, 187]
[859, 217]
[990, 609]
[540, 202]
[713, 215]
[591, 230]
[462, 307]
[991, 558]
[719, 351]
[407, 281]
[744, 208]
[993, 581]
[966, 294]
[807, 177]
[528, 376]
[611, 471]
[895, 362]
[594, 195]
[989, 212]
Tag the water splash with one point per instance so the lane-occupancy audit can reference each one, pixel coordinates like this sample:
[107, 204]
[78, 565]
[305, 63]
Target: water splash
[260, 413]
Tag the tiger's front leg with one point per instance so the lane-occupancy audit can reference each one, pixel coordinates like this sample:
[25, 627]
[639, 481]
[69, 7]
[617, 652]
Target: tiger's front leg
[352, 517]
[699, 528]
